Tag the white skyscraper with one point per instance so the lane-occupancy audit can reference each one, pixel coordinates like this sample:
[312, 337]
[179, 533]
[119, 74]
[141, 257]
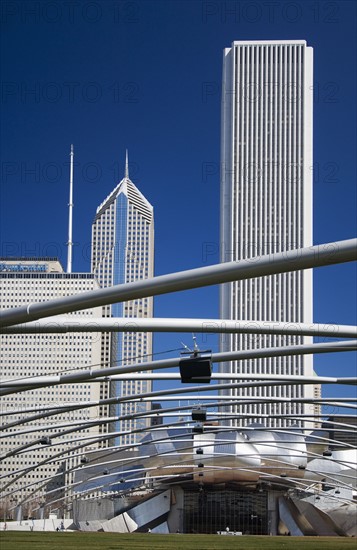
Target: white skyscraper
[123, 252]
[31, 280]
[266, 206]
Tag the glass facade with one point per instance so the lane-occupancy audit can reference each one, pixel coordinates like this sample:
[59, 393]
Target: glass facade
[123, 252]
[209, 511]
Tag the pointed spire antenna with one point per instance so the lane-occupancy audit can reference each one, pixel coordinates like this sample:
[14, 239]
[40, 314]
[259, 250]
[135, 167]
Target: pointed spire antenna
[70, 213]
[126, 174]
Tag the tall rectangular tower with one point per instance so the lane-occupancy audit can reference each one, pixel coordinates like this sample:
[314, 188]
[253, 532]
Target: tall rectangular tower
[266, 207]
[123, 252]
[31, 280]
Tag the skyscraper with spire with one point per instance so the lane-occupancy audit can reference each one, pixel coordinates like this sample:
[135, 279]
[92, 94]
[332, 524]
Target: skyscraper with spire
[123, 252]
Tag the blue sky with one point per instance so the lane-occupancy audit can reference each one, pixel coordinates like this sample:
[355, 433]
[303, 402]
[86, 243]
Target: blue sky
[146, 75]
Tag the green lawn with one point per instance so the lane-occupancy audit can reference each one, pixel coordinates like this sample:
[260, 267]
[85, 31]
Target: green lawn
[15, 540]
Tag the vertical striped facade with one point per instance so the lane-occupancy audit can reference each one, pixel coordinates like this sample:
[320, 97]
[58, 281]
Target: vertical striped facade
[266, 207]
[123, 252]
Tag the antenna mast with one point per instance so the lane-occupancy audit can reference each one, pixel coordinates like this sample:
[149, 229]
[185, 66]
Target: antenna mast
[126, 174]
[70, 217]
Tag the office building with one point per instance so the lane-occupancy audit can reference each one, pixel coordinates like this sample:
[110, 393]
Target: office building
[266, 208]
[28, 467]
[123, 252]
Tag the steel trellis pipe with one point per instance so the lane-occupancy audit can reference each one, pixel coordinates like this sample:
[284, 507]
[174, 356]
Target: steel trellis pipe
[282, 262]
[91, 375]
[65, 324]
